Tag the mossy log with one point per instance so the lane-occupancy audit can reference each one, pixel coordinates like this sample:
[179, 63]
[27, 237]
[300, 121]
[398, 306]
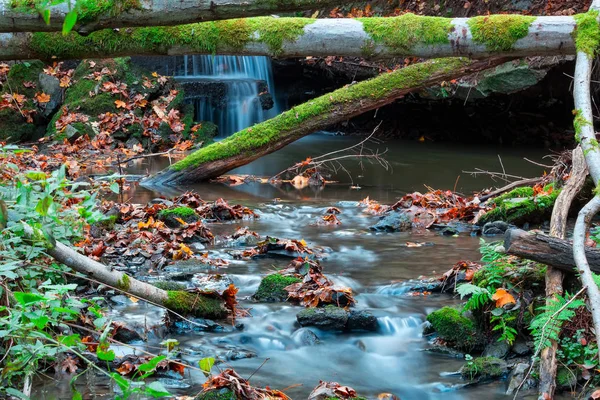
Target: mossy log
[264, 138]
[92, 15]
[548, 250]
[374, 37]
[181, 302]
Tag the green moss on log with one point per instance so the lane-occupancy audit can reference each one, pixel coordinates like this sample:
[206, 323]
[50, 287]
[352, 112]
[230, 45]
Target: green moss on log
[587, 33]
[455, 328]
[407, 30]
[195, 304]
[520, 206]
[201, 37]
[169, 285]
[271, 288]
[499, 32]
[124, 283]
[217, 394]
[248, 140]
[579, 122]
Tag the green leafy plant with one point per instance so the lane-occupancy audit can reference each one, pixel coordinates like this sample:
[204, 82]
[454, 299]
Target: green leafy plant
[547, 325]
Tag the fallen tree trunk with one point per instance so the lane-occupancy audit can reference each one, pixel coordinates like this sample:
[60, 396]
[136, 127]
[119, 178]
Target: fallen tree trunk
[547, 250]
[181, 302]
[264, 138]
[24, 17]
[406, 35]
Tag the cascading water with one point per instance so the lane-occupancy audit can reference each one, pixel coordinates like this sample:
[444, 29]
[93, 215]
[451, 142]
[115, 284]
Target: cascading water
[231, 86]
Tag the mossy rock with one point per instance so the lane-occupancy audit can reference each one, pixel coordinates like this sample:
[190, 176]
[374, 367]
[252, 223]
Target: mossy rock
[520, 206]
[566, 379]
[271, 288]
[14, 128]
[171, 216]
[484, 368]
[220, 394]
[24, 72]
[455, 328]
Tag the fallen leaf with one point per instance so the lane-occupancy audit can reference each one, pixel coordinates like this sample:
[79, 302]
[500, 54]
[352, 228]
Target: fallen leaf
[502, 298]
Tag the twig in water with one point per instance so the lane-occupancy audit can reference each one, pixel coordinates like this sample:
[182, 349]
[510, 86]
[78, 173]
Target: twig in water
[259, 367]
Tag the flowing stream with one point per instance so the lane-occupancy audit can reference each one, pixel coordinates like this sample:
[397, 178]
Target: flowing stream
[374, 265]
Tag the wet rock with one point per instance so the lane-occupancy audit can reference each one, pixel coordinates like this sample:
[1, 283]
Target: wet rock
[449, 231]
[494, 228]
[132, 142]
[174, 383]
[197, 247]
[521, 348]
[125, 334]
[335, 318]
[212, 283]
[330, 318]
[237, 354]
[516, 377]
[497, 349]
[484, 368]
[395, 221]
[50, 85]
[166, 202]
[72, 133]
[271, 288]
[362, 321]
[305, 337]
[197, 324]
[438, 348]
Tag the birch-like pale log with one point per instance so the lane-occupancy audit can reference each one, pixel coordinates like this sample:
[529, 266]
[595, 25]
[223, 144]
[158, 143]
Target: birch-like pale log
[270, 36]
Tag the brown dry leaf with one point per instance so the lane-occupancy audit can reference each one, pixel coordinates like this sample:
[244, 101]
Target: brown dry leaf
[502, 298]
[120, 104]
[147, 224]
[595, 395]
[69, 365]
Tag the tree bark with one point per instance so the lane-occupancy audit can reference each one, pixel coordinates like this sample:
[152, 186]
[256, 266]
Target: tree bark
[373, 38]
[178, 301]
[554, 277]
[146, 13]
[587, 44]
[252, 143]
[547, 250]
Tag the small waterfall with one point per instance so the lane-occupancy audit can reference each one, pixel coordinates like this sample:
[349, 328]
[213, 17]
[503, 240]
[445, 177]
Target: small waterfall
[394, 325]
[229, 88]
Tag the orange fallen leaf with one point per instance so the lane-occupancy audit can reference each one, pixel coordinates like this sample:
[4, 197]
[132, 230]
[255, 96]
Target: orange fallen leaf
[502, 298]
[42, 98]
[120, 104]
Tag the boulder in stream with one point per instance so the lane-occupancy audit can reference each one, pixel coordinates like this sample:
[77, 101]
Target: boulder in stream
[395, 221]
[217, 394]
[484, 368]
[272, 288]
[332, 318]
[455, 328]
[172, 217]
